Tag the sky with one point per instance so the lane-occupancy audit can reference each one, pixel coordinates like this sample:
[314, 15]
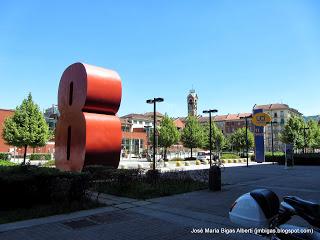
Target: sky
[234, 53]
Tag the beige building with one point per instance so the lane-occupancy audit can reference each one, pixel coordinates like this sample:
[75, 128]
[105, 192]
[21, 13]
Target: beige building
[280, 114]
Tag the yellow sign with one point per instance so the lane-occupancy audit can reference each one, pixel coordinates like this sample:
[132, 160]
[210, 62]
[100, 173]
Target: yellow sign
[261, 119]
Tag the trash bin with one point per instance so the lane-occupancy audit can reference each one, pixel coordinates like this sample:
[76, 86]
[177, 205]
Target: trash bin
[215, 178]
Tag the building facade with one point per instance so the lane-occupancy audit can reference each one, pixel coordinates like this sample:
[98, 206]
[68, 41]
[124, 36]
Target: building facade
[51, 116]
[229, 123]
[280, 114]
[4, 113]
[136, 130]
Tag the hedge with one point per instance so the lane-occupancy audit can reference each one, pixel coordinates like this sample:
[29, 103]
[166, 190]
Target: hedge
[5, 156]
[299, 159]
[229, 156]
[305, 159]
[25, 186]
[40, 156]
[6, 163]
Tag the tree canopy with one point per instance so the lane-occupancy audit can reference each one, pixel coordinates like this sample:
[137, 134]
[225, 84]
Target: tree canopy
[238, 139]
[293, 132]
[218, 139]
[27, 127]
[168, 134]
[193, 135]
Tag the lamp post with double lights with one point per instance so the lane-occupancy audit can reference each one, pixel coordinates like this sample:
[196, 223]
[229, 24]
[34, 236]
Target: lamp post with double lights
[214, 171]
[154, 101]
[210, 111]
[247, 141]
[147, 128]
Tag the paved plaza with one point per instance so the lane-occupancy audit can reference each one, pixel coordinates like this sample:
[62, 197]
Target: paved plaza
[171, 217]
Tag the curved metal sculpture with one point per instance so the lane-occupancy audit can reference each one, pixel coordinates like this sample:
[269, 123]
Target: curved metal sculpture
[88, 132]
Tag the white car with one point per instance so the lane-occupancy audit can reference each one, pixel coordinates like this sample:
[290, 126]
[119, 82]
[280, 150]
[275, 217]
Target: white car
[203, 156]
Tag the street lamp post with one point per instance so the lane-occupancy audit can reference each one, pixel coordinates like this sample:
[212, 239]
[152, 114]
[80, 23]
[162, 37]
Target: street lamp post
[304, 137]
[210, 133]
[147, 128]
[214, 171]
[247, 141]
[154, 101]
[272, 146]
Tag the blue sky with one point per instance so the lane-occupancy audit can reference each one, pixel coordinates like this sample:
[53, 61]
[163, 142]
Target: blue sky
[233, 53]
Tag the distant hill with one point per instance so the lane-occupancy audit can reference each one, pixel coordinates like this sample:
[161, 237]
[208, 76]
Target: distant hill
[316, 117]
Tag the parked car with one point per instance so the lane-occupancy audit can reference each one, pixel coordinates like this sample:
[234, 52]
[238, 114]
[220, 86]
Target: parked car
[204, 155]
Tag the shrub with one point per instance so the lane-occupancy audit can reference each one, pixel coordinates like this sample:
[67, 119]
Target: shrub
[5, 156]
[6, 163]
[40, 156]
[178, 164]
[223, 161]
[229, 161]
[299, 159]
[154, 184]
[50, 163]
[25, 186]
[277, 157]
[151, 176]
[99, 172]
[229, 156]
[187, 164]
[235, 161]
[198, 162]
[305, 159]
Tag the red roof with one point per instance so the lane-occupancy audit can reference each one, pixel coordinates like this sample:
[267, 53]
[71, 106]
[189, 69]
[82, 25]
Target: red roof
[272, 106]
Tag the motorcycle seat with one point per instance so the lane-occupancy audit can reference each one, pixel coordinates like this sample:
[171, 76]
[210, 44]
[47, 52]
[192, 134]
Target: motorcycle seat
[267, 200]
[310, 211]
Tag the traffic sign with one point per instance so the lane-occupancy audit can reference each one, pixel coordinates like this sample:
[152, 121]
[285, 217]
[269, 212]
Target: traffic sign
[261, 119]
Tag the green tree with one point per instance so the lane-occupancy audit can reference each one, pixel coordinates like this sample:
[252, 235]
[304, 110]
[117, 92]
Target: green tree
[27, 127]
[193, 134]
[293, 132]
[168, 134]
[218, 139]
[313, 134]
[317, 139]
[238, 139]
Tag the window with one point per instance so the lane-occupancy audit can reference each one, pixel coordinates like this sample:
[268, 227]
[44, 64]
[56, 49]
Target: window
[275, 115]
[125, 129]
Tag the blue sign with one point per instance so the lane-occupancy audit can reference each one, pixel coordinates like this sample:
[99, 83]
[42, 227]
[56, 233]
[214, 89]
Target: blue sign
[259, 140]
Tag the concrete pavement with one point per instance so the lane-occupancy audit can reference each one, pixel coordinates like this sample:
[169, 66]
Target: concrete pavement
[175, 217]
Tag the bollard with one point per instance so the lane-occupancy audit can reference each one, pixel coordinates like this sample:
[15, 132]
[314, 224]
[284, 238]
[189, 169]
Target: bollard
[215, 178]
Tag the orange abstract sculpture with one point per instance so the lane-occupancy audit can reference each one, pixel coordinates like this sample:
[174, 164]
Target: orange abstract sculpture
[88, 132]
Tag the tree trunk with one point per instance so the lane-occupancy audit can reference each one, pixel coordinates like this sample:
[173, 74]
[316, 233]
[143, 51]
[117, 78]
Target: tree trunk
[191, 151]
[25, 154]
[165, 153]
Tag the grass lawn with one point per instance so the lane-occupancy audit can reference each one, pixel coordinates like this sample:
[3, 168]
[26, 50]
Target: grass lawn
[143, 189]
[6, 163]
[38, 211]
